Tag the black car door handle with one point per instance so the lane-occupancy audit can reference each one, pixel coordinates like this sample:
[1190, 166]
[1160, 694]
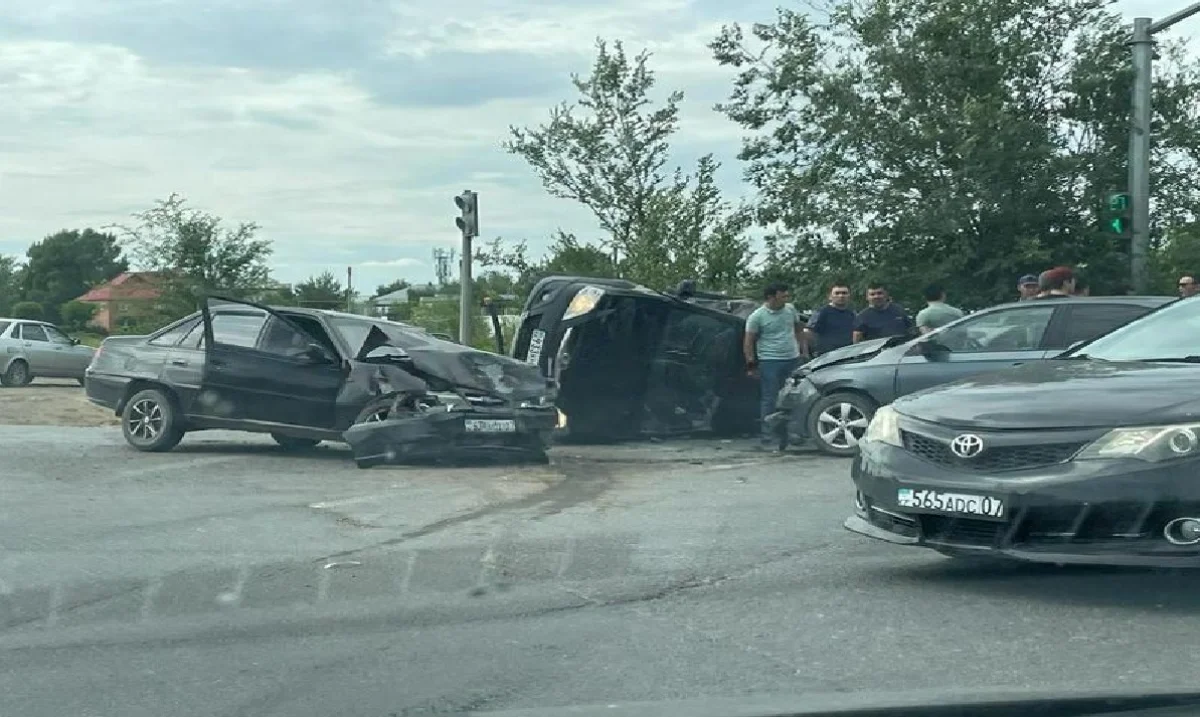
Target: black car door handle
[178, 362]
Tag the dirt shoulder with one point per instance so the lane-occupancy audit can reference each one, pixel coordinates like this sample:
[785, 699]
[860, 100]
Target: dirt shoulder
[47, 402]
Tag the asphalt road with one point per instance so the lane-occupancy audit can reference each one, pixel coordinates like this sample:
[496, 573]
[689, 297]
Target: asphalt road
[226, 578]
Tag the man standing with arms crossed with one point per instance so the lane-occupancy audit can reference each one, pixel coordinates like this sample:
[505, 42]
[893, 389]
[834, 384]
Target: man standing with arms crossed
[772, 348]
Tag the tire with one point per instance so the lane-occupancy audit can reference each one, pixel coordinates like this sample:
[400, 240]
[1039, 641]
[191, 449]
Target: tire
[378, 409]
[847, 414]
[17, 375]
[150, 421]
[292, 443]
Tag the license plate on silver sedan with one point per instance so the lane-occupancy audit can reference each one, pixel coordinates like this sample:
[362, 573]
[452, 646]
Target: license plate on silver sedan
[490, 425]
[984, 506]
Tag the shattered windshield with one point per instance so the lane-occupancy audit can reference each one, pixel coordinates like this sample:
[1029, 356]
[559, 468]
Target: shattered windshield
[355, 332]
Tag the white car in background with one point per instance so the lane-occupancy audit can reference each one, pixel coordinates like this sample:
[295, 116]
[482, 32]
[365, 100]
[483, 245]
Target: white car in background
[29, 349]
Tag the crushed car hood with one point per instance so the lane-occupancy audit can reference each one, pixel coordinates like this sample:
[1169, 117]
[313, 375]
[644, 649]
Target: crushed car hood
[466, 367]
[1065, 393]
[854, 352]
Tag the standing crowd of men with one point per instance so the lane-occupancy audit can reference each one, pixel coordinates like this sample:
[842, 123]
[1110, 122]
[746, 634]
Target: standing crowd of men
[777, 340]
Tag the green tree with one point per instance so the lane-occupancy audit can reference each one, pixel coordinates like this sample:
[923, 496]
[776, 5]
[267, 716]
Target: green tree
[198, 255]
[609, 151]
[10, 284]
[396, 285]
[567, 256]
[75, 315]
[322, 291]
[967, 142]
[65, 265]
[28, 310]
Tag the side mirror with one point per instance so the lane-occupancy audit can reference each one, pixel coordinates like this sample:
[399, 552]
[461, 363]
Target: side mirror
[1074, 346]
[388, 354]
[931, 349]
[74, 341]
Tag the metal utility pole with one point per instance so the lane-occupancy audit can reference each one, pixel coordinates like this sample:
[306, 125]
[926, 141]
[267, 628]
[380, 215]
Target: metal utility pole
[349, 290]
[1142, 44]
[468, 224]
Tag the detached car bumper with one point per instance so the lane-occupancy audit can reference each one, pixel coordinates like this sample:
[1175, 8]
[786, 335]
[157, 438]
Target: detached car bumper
[792, 407]
[438, 434]
[1104, 512]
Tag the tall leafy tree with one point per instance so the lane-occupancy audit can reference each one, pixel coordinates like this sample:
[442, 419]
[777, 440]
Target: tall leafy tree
[965, 142]
[10, 288]
[610, 150]
[66, 264]
[322, 291]
[197, 254]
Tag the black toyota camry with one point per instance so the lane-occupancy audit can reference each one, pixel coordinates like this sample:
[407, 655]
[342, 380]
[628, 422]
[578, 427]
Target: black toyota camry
[1093, 457]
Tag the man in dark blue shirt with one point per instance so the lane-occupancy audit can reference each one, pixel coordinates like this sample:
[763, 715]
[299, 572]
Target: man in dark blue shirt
[831, 326]
[881, 318]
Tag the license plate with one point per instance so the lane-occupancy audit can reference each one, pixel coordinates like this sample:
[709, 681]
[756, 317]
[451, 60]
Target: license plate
[536, 340]
[960, 503]
[484, 425]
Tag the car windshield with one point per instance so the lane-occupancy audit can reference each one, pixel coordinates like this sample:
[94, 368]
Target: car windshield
[355, 330]
[1172, 332]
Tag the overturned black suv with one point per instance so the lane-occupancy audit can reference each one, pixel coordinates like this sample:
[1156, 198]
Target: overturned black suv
[393, 392]
[632, 362]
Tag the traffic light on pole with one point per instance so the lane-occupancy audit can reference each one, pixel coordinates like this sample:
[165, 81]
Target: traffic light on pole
[1119, 218]
[468, 205]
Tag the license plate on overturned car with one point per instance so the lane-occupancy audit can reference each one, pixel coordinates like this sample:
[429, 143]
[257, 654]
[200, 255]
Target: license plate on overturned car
[490, 425]
[984, 506]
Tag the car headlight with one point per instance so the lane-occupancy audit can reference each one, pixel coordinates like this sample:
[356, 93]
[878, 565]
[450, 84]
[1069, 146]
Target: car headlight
[1146, 443]
[583, 302]
[884, 427]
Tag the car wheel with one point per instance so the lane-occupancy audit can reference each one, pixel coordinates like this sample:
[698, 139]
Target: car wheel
[17, 375]
[150, 421]
[839, 421]
[292, 443]
[379, 409]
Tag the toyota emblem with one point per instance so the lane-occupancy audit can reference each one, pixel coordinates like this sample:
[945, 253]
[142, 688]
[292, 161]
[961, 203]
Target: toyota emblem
[968, 445]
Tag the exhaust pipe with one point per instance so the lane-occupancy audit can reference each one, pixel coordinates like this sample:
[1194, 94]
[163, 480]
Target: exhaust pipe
[1182, 531]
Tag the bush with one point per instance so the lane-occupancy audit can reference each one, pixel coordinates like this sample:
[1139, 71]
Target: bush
[28, 310]
[76, 315]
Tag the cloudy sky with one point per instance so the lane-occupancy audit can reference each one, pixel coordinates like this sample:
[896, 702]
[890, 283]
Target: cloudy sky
[343, 127]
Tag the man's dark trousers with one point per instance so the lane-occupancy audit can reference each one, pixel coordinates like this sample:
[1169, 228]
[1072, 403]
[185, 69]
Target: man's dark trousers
[772, 373]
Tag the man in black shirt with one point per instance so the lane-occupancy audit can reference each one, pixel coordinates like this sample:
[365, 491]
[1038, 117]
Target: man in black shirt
[882, 318]
[831, 326]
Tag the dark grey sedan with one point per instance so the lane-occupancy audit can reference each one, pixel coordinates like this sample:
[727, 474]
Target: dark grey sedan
[830, 399]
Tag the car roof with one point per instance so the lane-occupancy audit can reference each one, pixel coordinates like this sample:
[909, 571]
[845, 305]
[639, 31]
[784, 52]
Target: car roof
[1151, 301]
[26, 321]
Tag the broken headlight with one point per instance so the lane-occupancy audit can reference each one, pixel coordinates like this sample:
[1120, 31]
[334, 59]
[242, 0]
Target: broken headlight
[543, 401]
[583, 302]
[449, 400]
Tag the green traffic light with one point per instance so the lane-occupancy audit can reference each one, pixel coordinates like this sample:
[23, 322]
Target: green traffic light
[1118, 202]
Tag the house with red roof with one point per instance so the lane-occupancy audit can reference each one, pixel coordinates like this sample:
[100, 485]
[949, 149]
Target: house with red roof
[128, 295]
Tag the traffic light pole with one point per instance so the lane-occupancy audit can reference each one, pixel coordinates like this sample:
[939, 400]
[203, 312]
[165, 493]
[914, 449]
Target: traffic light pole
[464, 295]
[468, 224]
[1142, 45]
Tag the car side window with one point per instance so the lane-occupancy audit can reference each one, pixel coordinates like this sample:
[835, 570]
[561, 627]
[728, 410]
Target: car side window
[1018, 329]
[1087, 321]
[173, 336]
[33, 332]
[241, 329]
[57, 336]
[282, 339]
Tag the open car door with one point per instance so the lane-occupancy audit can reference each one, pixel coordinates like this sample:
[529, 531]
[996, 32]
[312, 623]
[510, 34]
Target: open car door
[261, 368]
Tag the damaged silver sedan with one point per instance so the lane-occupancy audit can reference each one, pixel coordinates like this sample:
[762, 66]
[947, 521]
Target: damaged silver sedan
[393, 392]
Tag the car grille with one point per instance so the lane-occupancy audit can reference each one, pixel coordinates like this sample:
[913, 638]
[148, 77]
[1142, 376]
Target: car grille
[995, 458]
